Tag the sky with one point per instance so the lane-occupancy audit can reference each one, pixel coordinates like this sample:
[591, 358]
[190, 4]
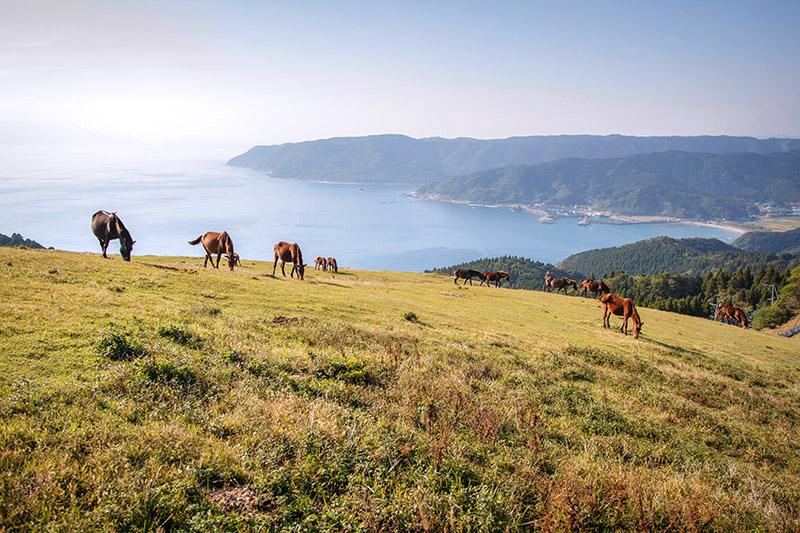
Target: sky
[239, 72]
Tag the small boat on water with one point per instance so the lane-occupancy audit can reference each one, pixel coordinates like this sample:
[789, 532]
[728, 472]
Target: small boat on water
[585, 221]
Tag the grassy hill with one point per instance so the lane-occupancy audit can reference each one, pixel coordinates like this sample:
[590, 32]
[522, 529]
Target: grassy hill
[156, 394]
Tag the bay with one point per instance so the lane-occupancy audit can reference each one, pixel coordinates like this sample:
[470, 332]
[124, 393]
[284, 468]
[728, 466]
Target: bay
[167, 196]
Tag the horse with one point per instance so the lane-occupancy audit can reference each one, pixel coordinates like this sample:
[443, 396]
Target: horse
[289, 253]
[616, 305]
[467, 274]
[332, 264]
[594, 287]
[320, 262]
[733, 313]
[236, 260]
[496, 277]
[559, 283]
[107, 227]
[216, 243]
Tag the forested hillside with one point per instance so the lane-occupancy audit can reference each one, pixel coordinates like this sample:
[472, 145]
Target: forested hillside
[18, 240]
[524, 273]
[401, 159]
[678, 256]
[779, 242]
[692, 295]
[686, 294]
[675, 184]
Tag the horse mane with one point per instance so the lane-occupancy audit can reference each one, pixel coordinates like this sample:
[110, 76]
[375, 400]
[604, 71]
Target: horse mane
[228, 242]
[122, 231]
[298, 254]
[635, 314]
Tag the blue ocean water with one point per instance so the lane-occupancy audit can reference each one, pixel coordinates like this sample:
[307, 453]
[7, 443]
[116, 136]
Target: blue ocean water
[169, 196]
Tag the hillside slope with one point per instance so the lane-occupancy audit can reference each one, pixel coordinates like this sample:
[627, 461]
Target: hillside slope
[402, 159]
[678, 256]
[675, 184]
[779, 242]
[156, 394]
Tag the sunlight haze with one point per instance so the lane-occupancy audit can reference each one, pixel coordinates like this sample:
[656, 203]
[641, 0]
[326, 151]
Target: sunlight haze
[271, 72]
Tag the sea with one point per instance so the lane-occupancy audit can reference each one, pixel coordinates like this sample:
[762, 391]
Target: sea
[169, 195]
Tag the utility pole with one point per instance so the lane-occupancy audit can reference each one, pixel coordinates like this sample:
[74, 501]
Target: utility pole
[772, 293]
[716, 309]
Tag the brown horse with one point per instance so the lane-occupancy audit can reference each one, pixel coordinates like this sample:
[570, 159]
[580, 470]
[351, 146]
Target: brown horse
[616, 305]
[332, 264]
[107, 227]
[216, 243]
[467, 274]
[496, 277]
[289, 253]
[320, 262]
[559, 283]
[595, 287]
[733, 313]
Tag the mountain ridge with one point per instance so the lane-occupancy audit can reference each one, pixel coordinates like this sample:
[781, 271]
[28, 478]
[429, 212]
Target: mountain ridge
[396, 158]
[674, 183]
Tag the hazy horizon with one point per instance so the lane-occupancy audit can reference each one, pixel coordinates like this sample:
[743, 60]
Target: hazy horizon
[245, 73]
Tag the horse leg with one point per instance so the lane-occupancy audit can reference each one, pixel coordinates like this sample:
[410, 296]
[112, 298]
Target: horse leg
[218, 257]
[275, 265]
[624, 327]
[283, 268]
[104, 246]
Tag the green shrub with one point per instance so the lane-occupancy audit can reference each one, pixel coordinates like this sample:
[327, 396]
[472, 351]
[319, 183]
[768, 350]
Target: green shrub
[117, 346]
[411, 316]
[168, 371]
[771, 317]
[179, 335]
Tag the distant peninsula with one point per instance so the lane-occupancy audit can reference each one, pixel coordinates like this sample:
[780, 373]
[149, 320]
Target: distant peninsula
[402, 159]
[679, 184]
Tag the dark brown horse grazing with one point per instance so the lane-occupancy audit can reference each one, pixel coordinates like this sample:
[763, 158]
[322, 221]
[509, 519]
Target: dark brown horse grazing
[320, 262]
[733, 313]
[107, 227]
[467, 274]
[616, 305]
[595, 287]
[217, 243]
[332, 264]
[289, 253]
[496, 277]
[559, 283]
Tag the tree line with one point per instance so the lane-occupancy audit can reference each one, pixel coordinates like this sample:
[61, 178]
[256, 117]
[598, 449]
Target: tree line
[687, 294]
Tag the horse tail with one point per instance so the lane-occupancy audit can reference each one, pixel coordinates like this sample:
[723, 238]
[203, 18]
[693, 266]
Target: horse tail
[196, 241]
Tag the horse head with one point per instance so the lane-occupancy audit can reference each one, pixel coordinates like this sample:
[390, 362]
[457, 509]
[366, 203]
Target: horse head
[637, 327]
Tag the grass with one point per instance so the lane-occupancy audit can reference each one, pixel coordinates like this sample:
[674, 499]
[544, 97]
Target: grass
[156, 394]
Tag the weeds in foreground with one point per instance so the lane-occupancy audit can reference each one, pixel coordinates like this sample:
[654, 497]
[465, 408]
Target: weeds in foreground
[372, 423]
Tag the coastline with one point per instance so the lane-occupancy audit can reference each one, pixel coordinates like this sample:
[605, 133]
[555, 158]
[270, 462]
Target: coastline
[610, 218]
